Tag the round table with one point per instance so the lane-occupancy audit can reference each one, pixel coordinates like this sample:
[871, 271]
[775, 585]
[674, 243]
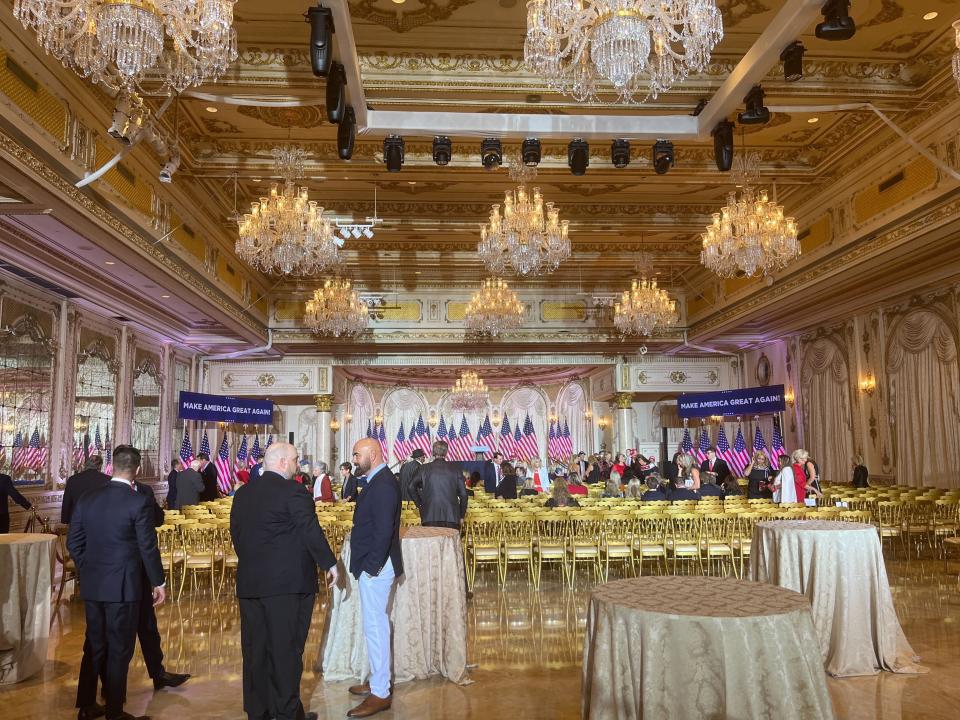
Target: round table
[699, 647]
[428, 613]
[26, 573]
[839, 567]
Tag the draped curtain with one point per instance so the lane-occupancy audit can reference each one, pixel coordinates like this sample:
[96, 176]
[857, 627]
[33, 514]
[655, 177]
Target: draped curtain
[361, 406]
[923, 380]
[517, 403]
[571, 406]
[402, 406]
[824, 381]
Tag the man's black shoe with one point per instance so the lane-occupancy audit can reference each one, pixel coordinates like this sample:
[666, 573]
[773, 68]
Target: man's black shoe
[91, 712]
[170, 680]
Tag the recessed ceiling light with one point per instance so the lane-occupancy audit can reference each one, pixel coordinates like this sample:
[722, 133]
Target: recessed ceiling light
[411, 182]
[399, 2]
[256, 179]
[164, 296]
[931, 15]
[211, 109]
[109, 262]
[813, 120]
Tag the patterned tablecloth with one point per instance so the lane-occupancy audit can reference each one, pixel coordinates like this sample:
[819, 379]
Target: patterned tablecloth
[26, 571]
[698, 647]
[428, 613]
[839, 567]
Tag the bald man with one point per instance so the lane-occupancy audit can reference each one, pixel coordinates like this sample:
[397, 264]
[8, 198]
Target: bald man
[375, 561]
[279, 545]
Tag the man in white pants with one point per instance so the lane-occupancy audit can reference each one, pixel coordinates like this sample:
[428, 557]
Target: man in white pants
[375, 561]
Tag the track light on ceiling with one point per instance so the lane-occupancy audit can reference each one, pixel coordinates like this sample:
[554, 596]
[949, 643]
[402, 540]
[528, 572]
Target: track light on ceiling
[530, 152]
[393, 152]
[756, 113]
[723, 145]
[663, 157]
[620, 153]
[792, 59]
[321, 39]
[491, 153]
[442, 150]
[336, 92]
[346, 134]
[171, 166]
[578, 156]
[837, 23]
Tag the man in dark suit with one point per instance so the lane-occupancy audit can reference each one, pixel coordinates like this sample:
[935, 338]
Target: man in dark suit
[279, 544]
[492, 474]
[375, 561]
[709, 487]
[718, 466]
[113, 541]
[439, 491]
[683, 490]
[507, 488]
[409, 472]
[176, 467]
[81, 483]
[9, 490]
[208, 471]
[189, 486]
[355, 480]
[654, 491]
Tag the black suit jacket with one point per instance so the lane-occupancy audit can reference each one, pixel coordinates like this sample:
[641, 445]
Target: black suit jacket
[279, 543]
[172, 489]
[376, 527]
[155, 508]
[78, 485]
[351, 488]
[489, 476]
[652, 495]
[209, 475]
[408, 473]
[711, 490]
[9, 490]
[507, 488]
[112, 540]
[720, 467]
[683, 494]
[440, 493]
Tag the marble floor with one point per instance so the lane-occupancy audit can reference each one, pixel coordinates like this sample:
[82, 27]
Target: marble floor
[526, 647]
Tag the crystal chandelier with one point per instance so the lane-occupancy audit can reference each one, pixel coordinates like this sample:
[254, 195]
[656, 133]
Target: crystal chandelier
[956, 55]
[469, 393]
[493, 309]
[286, 232]
[644, 308]
[750, 233]
[635, 45]
[336, 310]
[175, 44]
[528, 236]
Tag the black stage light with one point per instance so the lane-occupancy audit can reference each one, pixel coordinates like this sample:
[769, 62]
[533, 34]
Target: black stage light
[393, 152]
[336, 92]
[346, 134]
[530, 152]
[321, 39]
[578, 156]
[837, 23]
[663, 158]
[620, 153]
[792, 59]
[491, 153]
[723, 145]
[756, 113]
[442, 150]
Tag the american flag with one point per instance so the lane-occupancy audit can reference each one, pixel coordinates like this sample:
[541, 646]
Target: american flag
[703, 444]
[453, 442]
[241, 461]
[741, 458]
[370, 433]
[552, 452]
[98, 442]
[686, 444]
[465, 441]
[254, 451]
[17, 452]
[567, 441]
[485, 433]
[506, 439]
[3, 455]
[400, 451]
[412, 436]
[224, 476]
[384, 448]
[268, 443]
[759, 443]
[529, 447]
[186, 448]
[723, 447]
[108, 454]
[776, 442]
[35, 455]
[204, 445]
[442, 429]
[516, 446]
[422, 438]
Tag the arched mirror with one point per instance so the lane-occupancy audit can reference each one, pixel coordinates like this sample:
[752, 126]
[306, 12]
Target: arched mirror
[95, 402]
[145, 429]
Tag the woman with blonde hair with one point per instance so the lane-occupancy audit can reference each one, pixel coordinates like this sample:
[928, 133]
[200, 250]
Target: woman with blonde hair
[612, 489]
[688, 470]
[811, 469]
[634, 489]
[758, 475]
[560, 497]
[805, 475]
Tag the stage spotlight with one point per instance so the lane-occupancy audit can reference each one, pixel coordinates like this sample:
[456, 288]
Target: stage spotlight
[368, 233]
[578, 156]
[345, 233]
[530, 152]
[620, 153]
[128, 118]
[346, 134]
[756, 113]
[723, 145]
[491, 153]
[792, 59]
[321, 39]
[663, 157]
[173, 162]
[393, 152]
[442, 150]
[837, 23]
[336, 92]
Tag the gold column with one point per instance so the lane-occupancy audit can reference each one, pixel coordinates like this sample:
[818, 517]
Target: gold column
[624, 436]
[324, 404]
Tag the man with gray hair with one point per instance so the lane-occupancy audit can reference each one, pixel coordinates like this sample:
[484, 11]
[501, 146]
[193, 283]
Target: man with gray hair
[189, 486]
[439, 491]
[279, 545]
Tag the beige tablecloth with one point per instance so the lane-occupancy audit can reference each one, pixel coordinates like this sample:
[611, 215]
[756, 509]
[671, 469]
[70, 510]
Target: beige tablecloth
[26, 571]
[428, 613]
[696, 647]
[839, 567]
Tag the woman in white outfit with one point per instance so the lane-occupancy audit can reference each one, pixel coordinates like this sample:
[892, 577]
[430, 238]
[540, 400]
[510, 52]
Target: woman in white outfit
[784, 487]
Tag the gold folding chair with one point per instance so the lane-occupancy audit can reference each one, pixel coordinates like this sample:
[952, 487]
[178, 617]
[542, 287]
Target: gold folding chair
[201, 547]
[684, 540]
[585, 531]
[716, 542]
[650, 539]
[617, 540]
[553, 530]
[517, 535]
[482, 545]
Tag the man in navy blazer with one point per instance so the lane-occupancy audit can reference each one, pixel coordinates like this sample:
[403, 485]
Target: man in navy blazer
[112, 540]
[375, 561]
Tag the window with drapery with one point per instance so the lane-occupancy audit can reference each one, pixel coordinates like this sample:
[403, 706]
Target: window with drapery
[181, 381]
[145, 428]
[95, 402]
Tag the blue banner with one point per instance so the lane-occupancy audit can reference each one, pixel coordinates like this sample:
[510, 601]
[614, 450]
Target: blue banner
[745, 401]
[222, 408]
